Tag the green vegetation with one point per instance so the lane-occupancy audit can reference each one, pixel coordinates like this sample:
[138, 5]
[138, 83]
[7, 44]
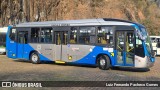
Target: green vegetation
[150, 26]
[2, 46]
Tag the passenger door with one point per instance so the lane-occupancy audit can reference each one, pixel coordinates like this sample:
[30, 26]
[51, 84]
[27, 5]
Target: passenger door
[125, 48]
[22, 40]
[61, 44]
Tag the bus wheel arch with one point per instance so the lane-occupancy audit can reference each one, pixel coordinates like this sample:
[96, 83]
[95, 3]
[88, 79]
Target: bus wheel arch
[34, 57]
[103, 61]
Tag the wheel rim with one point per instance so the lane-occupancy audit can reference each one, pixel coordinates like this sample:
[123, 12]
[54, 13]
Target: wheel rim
[102, 62]
[34, 58]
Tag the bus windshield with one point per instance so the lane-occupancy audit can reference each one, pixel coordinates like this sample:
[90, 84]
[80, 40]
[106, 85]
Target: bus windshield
[147, 41]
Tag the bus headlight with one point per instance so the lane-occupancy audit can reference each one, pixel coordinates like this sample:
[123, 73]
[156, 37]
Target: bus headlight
[13, 55]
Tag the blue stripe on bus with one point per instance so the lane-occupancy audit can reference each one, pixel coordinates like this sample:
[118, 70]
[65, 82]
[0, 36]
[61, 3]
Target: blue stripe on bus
[27, 51]
[91, 57]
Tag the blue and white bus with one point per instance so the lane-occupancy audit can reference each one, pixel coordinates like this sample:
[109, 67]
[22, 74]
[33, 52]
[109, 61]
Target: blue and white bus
[101, 42]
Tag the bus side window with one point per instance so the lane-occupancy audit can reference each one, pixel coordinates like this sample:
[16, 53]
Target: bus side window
[26, 38]
[35, 35]
[105, 35]
[46, 35]
[73, 35]
[23, 37]
[87, 35]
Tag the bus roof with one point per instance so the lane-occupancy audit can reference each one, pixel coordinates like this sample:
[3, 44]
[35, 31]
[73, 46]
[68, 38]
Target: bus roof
[155, 36]
[82, 22]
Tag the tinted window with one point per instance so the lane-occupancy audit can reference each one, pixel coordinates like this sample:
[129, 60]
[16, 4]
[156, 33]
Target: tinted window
[105, 35]
[139, 51]
[13, 34]
[35, 35]
[87, 35]
[46, 35]
[23, 37]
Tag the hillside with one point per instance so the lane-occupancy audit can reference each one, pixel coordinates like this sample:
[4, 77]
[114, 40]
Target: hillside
[146, 12]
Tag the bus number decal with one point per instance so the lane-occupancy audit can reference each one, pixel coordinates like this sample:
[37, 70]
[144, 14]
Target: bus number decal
[105, 49]
[110, 50]
[75, 49]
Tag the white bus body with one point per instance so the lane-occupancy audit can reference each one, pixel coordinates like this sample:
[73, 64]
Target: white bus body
[3, 31]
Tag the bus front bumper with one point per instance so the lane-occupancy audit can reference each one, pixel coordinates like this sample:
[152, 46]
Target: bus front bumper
[145, 62]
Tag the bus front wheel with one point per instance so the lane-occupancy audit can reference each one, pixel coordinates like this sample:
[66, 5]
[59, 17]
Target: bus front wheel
[35, 58]
[104, 62]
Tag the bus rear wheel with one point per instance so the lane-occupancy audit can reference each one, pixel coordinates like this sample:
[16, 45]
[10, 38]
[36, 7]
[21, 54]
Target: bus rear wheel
[35, 58]
[104, 62]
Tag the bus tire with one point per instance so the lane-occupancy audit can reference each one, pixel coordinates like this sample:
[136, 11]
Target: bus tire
[35, 58]
[104, 62]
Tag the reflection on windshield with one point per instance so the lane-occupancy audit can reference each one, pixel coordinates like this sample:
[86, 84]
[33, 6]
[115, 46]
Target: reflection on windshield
[147, 41]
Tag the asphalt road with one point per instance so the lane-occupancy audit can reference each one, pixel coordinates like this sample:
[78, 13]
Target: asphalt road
[20, 70]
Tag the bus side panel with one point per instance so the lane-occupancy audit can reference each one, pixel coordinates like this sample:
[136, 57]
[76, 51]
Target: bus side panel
[45, 51]
[11, 49]
[87, 58]
[27, 50]
[91, 57]
[76, 52]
